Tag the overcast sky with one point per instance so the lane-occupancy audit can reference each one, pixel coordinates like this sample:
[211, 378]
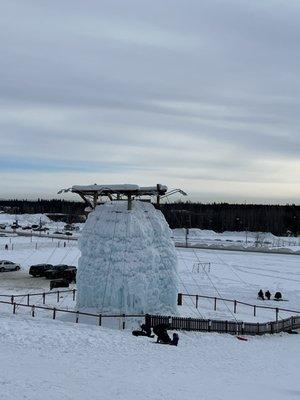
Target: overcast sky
[201, 95]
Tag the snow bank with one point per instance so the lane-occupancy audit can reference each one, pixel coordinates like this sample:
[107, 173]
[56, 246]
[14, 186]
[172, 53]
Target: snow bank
[24, 219]
[128, 262]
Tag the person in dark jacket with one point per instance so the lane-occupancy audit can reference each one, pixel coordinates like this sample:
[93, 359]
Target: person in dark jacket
[260, 295]
[175, 339]
[160, 331]
[278, 296]
[147, 329]
[268, 295]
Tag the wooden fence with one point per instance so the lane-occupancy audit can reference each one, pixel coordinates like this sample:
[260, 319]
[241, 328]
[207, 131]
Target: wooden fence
[232, 327]
[43, 295]
[175, 323]
[54, 312]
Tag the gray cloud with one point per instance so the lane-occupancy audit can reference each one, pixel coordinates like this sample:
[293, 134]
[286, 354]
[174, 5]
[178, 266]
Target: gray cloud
[202, 94]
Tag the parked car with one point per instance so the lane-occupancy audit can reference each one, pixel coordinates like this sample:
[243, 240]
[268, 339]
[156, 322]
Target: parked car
[57, 271]
[69, 274]
[9, 266]
[39, 269]
[68, 233]
[56, 283]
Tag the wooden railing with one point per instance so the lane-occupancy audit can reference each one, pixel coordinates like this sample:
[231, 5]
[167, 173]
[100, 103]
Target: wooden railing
[235, 303]
[231, 327]
[54, 312]
[174, 322]
[43, 295]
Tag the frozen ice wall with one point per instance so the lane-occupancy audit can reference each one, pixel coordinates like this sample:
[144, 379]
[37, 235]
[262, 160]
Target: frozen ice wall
[128, 261]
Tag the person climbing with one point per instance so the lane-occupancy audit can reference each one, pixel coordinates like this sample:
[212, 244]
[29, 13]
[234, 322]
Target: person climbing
[278, 296]
[268, 295]
[160, 331]
[260, 295]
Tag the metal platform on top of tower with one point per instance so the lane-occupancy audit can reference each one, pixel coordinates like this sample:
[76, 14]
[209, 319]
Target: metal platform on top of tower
[92, 194]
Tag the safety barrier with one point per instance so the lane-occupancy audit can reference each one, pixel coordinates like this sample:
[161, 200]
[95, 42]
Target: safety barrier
[231, 327]
[43, 295]
[54, 312]
[235, 304]
[174, 322]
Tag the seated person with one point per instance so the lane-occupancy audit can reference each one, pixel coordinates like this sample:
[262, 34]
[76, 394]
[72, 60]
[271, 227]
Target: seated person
[278, 296]
[268, 295]
[175, 339]
[160, 331]
[147, 329]
[260, 295]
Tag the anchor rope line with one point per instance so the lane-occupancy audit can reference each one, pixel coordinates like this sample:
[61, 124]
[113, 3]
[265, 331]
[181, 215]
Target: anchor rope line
[210, 280]
[191, 274]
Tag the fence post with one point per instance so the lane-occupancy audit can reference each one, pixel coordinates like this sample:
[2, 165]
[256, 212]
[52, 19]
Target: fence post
[54, 312]
[77, 317]
[254, 311]
[215, 304]
[209, 325]
[243, 328]
[179, 299]
[36, 245]
[44, 298]
[58, 296]
[28, 299]
[234, 310]
[14, 308]
[189, 324]
[148, 320]
[277, 311]
[123, 324]
[74, 290]
[226, 326]
[197, 301]
[12, 299]
[258, 328]
[32, 311]
[100, 320]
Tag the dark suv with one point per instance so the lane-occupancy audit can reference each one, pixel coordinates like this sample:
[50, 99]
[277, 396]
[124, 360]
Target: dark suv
[39, 269]
[58, 271]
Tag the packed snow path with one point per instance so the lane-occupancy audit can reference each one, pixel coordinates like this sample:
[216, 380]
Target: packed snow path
[50, 360]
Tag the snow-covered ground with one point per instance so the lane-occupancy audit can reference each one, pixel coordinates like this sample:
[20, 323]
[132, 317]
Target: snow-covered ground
[50, 360]
[42, 358]
[244, 240]
[232, 275]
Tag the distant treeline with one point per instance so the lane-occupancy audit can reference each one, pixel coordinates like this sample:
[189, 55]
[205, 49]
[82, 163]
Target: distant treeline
[72, 209]
[220, 217]
[278, 219]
